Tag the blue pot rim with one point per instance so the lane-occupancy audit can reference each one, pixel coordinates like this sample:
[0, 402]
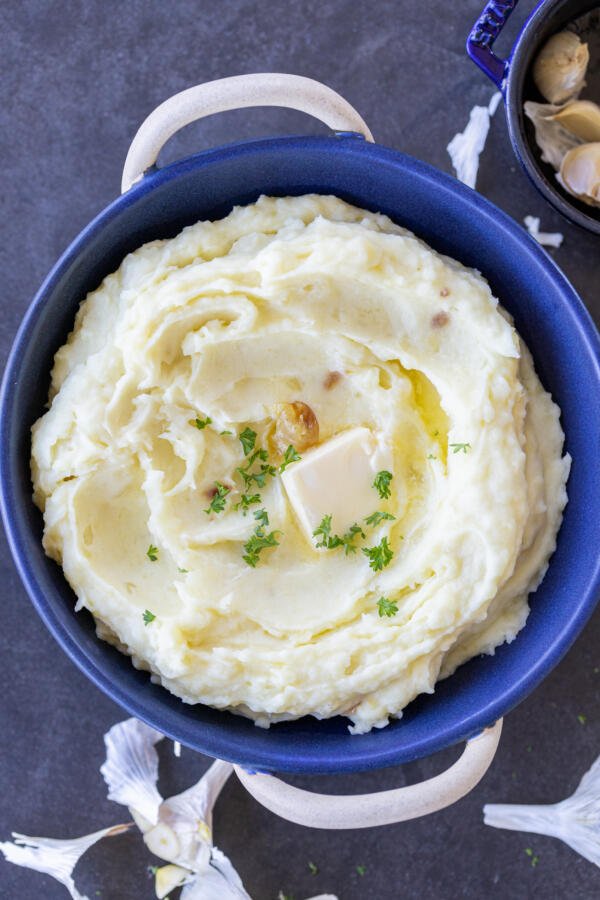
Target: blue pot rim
[236, 750]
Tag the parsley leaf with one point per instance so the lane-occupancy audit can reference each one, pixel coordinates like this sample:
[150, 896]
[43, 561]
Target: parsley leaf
[380, 555]
[323, 530]
[347, 540]
[258, 542]
[247, 440]
[152, 553]
[201, 424]
[290, 456]
[375, 518]
[183, 571]
[387, 607]
[257, 477]
[534, 859]
[458, 448]
[226, 432]
[262, 516]
[217, 504]
[361, 870]
[246, 501]
[581, 719]
[314, 870]
[148, 617]
[382, 484]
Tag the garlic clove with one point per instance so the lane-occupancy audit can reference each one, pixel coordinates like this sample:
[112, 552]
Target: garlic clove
[131, 767]
[581, 118]
[580, 173]
[168, 878]
[297, 426]
[163, 842]
[553, 140]
[560, 67]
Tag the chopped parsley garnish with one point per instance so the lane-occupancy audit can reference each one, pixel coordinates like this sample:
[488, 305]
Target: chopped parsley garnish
[152, 870]
[534, 859]
[581, 719]
[460, 448]
[290, 456]
[247, 439]
[328, 540]
[314, 870]
[183, 571]
[361, 870]
[262, 517]
[148, 617]
[246, 501]
[431, 456]
[332, 541]
[257, 477]
[387, 607]
[258, 542]
[347, 540]
[217, 504]
[152, 553]
[375, 518]
[380, 555]
[226, 432]
[382, 484]
[201, 424]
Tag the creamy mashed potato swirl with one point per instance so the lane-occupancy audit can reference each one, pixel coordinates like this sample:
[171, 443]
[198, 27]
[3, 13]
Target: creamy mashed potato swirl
[291, 300]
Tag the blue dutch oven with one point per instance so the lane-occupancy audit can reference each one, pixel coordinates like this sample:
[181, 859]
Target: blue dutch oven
[513, 77]
[453, 219]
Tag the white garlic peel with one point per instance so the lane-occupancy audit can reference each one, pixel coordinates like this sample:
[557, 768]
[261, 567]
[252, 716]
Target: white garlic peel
[576, 821]
[218, 881]
[580, 173]
[131, 767]
[553, 140]
[466, 147]
[545, 238]
[54, 857]
[560, 67]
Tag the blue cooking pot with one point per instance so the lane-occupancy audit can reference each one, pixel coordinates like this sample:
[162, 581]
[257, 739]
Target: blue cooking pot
[513, 77]
[455, 221]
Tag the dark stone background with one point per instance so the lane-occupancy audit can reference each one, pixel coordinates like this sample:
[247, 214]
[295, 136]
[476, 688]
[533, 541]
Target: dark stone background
[77, 78]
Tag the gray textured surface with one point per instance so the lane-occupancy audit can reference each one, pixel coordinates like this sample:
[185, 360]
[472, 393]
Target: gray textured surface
[77, 79]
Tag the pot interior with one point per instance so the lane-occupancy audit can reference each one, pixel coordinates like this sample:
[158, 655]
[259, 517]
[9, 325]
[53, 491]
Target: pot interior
[548, 19]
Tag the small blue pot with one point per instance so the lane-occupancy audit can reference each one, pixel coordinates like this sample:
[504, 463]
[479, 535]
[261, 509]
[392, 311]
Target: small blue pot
[513, 77]
[454, 220]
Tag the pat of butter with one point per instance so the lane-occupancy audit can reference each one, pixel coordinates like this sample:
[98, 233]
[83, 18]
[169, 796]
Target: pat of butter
[336, 479]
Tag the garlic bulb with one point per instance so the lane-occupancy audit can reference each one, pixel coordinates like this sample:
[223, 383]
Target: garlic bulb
[581, 118]
[131, 767]
[560, 67]
[576, 821]
[466, 147]
[55, 857]
[553, 140]
[580, 173]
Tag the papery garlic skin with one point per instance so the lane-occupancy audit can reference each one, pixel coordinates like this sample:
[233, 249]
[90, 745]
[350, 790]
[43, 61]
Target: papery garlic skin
[219, 881]
[131, 767]
[55, 857]
[552, 138]
[545, 238]
[466, 147]
[576, 820]
[560, 67]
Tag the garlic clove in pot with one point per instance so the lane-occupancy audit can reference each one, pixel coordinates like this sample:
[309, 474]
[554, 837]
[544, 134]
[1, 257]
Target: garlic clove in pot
[581, 118]
[552, 138]
[580, 173]
[560, 66]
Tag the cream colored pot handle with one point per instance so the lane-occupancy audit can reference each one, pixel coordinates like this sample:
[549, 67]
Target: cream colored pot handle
[262, 89]
[385, 807]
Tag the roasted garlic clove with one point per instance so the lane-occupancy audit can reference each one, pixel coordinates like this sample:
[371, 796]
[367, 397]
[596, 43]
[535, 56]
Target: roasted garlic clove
[581, 118]
[553, 140]
[560, 66]
[297, 425]
[580, 173]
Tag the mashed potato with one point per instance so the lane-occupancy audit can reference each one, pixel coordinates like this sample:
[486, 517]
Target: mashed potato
[383, 379]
